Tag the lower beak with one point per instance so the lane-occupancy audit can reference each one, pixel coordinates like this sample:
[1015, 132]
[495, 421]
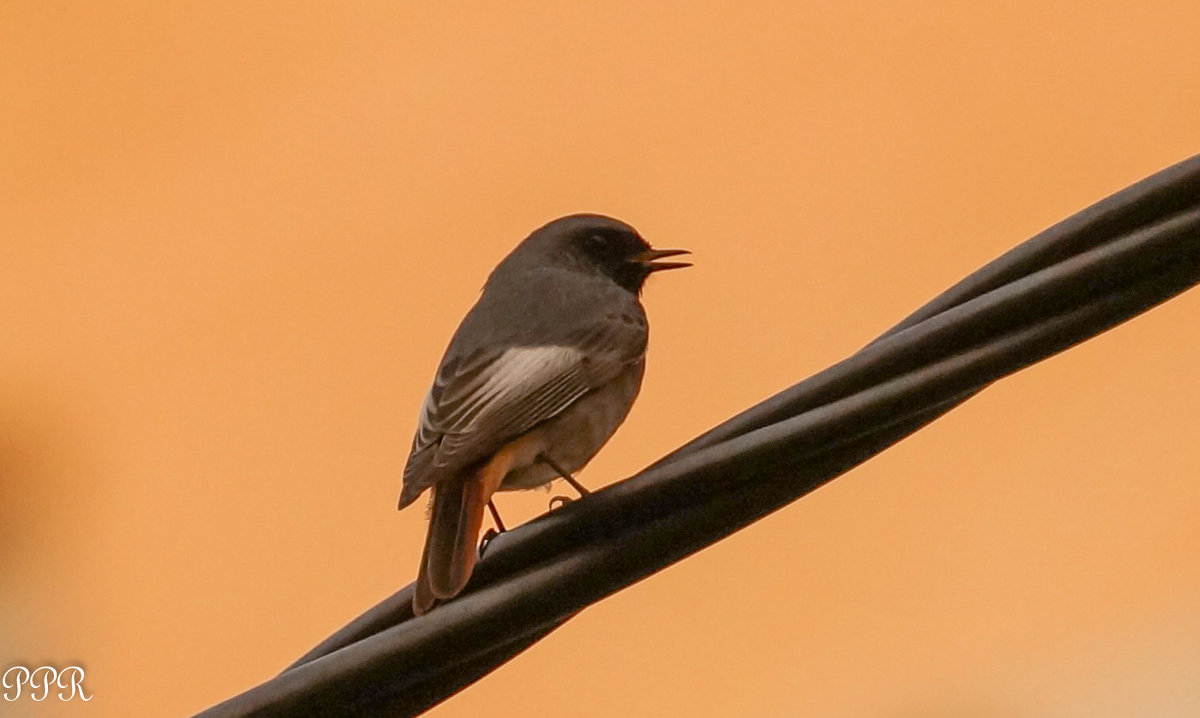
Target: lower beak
[646, 259]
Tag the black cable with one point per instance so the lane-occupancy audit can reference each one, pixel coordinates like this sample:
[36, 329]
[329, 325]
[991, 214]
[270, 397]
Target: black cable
[1075, 280]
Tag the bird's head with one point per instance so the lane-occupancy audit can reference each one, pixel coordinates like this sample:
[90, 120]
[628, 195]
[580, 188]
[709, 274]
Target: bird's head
[597, 243]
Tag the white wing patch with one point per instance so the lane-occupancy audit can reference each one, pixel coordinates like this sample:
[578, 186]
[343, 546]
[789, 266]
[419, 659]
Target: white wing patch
[516, 374]
[520, 388]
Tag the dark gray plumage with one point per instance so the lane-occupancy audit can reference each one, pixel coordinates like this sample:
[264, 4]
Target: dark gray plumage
[546, 364]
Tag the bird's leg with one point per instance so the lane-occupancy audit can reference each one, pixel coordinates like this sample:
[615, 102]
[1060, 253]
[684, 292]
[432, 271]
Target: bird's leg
[566, 475]
[583, 491]
[496, 517]
[491, 533]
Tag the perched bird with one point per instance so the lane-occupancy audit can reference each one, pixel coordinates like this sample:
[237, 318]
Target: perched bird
[539, 375]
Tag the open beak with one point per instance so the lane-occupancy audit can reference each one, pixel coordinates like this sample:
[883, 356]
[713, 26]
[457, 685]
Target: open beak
[646, 259]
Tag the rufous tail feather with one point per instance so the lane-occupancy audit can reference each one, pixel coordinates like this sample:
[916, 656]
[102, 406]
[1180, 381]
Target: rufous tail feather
[454, 523]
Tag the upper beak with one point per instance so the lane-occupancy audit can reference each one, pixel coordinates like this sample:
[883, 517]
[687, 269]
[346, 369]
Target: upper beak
[646, 259]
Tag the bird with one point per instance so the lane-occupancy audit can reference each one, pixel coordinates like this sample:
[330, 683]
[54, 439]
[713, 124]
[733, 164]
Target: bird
[537, 377]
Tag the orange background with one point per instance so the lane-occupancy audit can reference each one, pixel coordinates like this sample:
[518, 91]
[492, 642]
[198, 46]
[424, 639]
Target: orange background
[235, 237]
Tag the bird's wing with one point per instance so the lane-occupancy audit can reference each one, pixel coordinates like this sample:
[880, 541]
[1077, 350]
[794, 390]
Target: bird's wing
[485, 400]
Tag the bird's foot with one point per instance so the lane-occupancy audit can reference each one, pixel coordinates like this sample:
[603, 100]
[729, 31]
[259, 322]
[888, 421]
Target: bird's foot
[488, 537]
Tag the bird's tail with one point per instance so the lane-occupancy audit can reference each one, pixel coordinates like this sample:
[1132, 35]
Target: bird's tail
[454, 522]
